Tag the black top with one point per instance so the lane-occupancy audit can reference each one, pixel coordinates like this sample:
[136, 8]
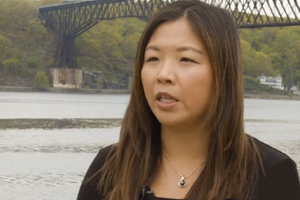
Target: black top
[281, 180]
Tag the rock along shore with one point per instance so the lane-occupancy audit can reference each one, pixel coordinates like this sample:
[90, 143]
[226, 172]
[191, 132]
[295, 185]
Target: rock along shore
[49, 124]
[58, 123]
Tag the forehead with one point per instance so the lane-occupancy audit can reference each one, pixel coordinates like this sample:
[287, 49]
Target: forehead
[176, 33]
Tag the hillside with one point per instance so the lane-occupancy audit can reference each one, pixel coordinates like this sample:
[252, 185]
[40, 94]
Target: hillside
[26, 48]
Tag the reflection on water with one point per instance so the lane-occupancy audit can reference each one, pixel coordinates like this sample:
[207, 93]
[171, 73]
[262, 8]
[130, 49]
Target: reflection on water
[272, 109]
[50, 164]
[56, 141]
[41, 176]
[49, 105]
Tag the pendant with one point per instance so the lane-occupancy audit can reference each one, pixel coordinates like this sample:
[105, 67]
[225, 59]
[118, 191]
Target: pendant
[182, 183]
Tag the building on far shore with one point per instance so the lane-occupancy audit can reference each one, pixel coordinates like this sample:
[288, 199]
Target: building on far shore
[274, 82]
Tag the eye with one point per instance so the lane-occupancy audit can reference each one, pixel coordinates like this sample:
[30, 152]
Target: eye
[152, 59]
[187, 60]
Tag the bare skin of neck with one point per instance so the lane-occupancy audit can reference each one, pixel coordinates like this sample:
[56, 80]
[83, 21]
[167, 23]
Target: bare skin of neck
[185, 150]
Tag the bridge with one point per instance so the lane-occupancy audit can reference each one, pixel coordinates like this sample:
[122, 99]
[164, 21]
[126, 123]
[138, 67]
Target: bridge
[72, 18]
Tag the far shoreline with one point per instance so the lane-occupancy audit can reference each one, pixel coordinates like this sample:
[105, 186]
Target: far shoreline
[115, 91]
[62, 90]
[271, 97]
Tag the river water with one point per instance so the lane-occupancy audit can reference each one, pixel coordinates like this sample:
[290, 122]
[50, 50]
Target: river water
[38, 164]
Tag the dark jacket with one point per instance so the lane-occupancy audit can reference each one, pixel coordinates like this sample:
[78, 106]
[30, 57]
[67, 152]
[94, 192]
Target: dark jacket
[281, 180]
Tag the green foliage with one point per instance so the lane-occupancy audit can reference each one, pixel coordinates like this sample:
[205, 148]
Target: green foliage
[110, 47]
[35, 28]
[13, 67]
[47, 2]
[19, 12]
[32, 62]
[272, 51]
[6, 48]
[41, 80]
[25, 45]
[297, 77]
[255, 63]
[251, 84]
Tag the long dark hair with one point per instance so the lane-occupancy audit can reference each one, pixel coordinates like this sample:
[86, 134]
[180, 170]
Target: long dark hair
[233, 161]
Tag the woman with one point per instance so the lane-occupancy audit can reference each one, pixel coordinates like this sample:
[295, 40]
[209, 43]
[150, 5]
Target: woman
[182, 136]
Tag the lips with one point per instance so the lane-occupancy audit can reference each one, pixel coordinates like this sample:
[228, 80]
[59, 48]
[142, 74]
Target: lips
[167, 100]
[165, 97]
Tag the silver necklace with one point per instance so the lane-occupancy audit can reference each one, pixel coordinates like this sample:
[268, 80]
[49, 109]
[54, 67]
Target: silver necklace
[181, 182]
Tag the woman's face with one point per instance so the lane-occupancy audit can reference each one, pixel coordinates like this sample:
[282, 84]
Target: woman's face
[177, 76]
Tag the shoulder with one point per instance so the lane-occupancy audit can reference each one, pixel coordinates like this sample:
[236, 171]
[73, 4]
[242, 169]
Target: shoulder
[100, 158]
[88, 189]
[270, 156]
[279, 179]
[98, 161]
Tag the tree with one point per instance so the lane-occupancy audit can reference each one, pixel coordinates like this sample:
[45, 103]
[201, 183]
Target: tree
[255, 63]
[32, 62]
[36, 29]
[129, 45]
[15, 14]
[6, 48]
[13, 67]
[48, 2]
[41, 80]
[297, 78]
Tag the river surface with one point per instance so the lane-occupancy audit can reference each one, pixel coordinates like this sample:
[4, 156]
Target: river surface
[38, 164]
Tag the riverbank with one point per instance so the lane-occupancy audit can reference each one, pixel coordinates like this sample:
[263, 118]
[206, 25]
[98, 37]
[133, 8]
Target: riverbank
[271, 96]
[105, 91]
[58, 123]
[62, 90]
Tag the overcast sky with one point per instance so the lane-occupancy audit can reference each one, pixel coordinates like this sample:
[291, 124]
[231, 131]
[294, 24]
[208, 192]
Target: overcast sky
[263, 6]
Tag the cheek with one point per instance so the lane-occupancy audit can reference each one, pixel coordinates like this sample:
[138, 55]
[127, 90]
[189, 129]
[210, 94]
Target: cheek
[147, 76]
[207, 87]
[199, 87]
[200, 79]
[144, 78]
[146, 82]
[207, 90]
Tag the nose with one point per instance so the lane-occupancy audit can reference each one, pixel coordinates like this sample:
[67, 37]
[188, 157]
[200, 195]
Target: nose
[166, 73]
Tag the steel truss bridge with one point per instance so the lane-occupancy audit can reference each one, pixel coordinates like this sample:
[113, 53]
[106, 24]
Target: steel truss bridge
[71, 19]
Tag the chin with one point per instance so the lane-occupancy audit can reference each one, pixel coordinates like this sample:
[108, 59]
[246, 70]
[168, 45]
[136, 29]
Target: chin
[169, 121]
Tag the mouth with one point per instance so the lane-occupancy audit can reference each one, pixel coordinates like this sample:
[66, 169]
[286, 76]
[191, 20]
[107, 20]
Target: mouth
[165, 97]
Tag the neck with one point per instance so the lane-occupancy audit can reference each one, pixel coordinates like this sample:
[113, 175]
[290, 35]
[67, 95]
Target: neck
[187, 145]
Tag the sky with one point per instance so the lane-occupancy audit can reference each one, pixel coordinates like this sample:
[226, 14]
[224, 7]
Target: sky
[292, 7]
[263, 7]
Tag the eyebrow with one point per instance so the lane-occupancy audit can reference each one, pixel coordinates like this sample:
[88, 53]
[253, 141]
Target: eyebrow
[189, 48]
[152, 47]
[180, 49]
